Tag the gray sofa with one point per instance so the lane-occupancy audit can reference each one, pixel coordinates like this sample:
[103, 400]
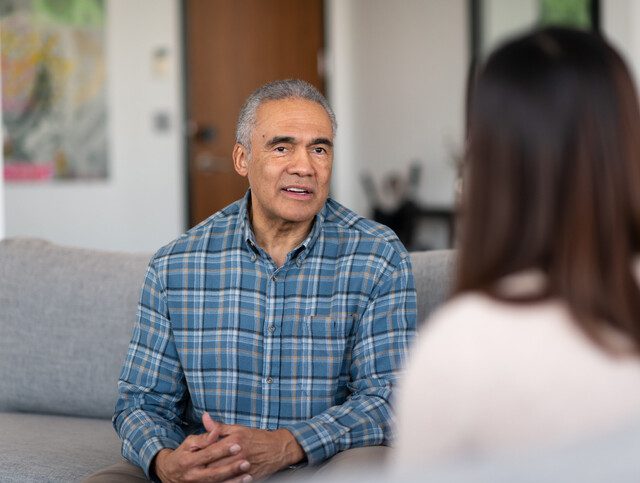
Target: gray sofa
[65, 317]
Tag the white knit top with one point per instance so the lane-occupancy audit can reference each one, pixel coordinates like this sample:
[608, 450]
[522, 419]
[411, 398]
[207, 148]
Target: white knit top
[487, 377]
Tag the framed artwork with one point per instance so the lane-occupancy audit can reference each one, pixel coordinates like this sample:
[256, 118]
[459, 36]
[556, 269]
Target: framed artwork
[54, 85]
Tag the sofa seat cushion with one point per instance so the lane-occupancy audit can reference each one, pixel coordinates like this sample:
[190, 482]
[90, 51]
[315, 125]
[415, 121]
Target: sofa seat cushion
[54, 448]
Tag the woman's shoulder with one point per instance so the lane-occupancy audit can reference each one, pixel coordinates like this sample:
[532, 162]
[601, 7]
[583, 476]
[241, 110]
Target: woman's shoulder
[477, 311]
[476, 324]
[474, 305]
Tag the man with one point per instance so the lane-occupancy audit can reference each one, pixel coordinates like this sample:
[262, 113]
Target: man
[276, 327]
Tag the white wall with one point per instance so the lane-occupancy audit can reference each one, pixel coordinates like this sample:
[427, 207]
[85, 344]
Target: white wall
[504, 18]
[1, 166]
[398, 73]
[141, 205]
[621, 24]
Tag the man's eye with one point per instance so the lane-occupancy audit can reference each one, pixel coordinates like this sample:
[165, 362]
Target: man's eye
[319, 150]
[281, 149]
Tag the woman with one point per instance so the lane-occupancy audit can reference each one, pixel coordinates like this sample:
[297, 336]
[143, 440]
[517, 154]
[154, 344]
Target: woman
[541, 341]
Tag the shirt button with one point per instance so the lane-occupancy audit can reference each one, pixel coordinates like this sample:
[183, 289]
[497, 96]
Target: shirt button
[269, 380]
[271, 329]
[274, 278]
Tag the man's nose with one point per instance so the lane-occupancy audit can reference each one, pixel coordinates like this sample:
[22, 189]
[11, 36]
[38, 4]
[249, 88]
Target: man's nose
[301, 163]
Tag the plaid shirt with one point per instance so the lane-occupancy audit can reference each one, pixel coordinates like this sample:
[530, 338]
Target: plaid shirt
[313, 346]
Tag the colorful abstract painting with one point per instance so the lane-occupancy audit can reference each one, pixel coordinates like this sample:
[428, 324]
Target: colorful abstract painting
[54, 109]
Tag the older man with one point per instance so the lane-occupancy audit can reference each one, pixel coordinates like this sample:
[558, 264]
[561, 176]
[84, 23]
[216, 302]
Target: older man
[271, 333]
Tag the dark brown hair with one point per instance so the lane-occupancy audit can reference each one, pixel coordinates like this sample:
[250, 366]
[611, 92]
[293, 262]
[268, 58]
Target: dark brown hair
[552, 177]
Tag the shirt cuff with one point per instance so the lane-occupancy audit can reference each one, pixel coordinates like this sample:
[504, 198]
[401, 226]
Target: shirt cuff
[149, 450]
[318, 443]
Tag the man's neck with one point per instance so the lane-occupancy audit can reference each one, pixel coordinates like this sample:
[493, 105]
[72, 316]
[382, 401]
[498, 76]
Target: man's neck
[278, 239]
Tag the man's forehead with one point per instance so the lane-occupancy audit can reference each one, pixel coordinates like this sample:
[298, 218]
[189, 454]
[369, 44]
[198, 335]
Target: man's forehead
[292, 112]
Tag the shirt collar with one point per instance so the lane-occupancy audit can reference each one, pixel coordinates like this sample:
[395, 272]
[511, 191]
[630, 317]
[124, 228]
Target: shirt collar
[305, 247]
[245, 225]
[300, 252]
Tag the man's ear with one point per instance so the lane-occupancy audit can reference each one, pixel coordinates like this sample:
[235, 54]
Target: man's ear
[240, 159]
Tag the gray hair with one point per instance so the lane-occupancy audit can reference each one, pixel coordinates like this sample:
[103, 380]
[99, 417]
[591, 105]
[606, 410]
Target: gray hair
[276, 91]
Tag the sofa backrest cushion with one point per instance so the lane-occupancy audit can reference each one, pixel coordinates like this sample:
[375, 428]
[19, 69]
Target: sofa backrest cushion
[66, 316]
[433, 272]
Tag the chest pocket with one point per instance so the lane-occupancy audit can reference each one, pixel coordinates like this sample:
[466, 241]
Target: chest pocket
[329, 336]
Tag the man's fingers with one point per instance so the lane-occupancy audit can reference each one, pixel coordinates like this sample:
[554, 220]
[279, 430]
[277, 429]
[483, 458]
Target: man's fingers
[235, 471]
[227, 429]
[241, 479]
[215, 452]
[212, 437]
[206, 439]
[200, 441]
[210, 424]
[192, 443]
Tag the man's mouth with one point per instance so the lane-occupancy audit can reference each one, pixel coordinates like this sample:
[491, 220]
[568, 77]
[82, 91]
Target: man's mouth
[298, 191]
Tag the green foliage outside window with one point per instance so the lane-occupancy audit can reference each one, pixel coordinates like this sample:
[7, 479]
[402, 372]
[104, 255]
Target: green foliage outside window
[572, 13]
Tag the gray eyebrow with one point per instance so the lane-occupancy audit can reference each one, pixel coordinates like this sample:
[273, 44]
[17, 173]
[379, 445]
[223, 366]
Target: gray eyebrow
[325, 141]
[280, 139]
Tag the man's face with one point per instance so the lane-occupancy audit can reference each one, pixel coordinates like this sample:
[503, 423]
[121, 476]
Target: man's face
[289, 167]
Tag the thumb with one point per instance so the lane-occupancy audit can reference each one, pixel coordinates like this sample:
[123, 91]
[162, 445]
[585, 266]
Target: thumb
[210, 425]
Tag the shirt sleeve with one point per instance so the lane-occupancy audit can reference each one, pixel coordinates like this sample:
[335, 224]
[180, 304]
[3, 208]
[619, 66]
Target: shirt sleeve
[151, 387]
[383, 336]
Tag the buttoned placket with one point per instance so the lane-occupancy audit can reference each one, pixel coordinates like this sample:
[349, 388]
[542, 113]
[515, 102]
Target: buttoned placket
[274, 311]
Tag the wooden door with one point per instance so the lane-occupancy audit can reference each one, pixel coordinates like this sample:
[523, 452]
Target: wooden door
[233, 47]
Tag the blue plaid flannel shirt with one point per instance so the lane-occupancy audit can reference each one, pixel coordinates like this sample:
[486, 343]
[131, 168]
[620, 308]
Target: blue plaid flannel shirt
[314, 346]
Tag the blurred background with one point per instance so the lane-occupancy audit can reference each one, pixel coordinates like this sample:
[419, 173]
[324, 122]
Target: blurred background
[118, 117]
